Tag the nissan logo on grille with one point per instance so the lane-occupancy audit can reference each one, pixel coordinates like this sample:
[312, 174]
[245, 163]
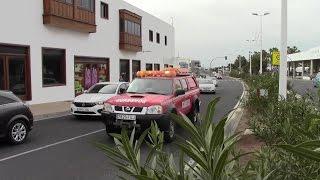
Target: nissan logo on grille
[127, 109]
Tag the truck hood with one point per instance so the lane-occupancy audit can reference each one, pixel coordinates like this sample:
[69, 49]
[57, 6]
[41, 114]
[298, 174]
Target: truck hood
[92, 98]
[138, 100]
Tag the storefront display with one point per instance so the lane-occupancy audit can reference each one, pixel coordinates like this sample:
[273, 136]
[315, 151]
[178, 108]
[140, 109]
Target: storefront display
[88, 71]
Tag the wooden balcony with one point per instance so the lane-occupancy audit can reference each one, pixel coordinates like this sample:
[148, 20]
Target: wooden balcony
[69, 16]
[130, 42]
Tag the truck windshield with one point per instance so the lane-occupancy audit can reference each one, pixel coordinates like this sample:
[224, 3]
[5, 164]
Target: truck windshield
[151, 86]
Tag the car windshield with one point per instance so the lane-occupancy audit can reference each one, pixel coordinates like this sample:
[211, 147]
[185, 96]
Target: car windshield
[205, 81]
[103, 89]
[151, 86]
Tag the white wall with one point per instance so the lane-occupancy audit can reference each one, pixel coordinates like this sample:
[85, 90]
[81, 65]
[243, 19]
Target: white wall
[22, 23]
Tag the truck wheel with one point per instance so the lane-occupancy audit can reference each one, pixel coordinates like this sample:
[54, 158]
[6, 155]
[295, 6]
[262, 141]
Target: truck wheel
[169, 134]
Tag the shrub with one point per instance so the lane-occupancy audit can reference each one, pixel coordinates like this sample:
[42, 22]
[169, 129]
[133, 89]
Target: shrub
[207, 147]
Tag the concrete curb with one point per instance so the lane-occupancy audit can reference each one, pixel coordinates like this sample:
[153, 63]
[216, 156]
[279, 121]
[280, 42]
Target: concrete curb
[236, 114]
[51, 116]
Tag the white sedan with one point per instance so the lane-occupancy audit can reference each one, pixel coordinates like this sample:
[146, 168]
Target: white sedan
[207, 85]
[90, 103]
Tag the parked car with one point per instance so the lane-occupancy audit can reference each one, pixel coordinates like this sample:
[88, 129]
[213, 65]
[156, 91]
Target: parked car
[16, 119]
[316, 80]
[214, 81]
[90, 103]
[207, 85]
[219, 76]
[153, 99]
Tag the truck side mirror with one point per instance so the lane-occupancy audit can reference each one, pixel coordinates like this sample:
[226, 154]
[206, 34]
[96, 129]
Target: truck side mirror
[122, 90]
[180, 92]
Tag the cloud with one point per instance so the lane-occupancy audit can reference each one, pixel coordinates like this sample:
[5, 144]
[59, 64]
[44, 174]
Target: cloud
[210, 28]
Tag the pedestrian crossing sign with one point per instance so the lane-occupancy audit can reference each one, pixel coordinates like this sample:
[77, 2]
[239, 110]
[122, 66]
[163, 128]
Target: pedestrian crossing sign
[276, 58]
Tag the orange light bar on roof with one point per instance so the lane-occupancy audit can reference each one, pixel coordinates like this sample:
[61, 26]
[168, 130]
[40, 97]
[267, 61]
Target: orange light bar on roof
[167, 72]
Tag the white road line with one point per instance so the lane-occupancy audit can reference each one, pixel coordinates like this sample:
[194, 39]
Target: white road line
[50, 145]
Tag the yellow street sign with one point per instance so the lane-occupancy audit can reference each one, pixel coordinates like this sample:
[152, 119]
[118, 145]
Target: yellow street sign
[276, 58]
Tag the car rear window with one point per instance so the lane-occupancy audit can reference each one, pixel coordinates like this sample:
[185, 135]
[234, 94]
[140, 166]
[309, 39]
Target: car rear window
[192, 83]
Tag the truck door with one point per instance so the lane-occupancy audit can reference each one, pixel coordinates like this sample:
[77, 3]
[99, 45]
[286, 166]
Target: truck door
[186, 100]
[178, 99]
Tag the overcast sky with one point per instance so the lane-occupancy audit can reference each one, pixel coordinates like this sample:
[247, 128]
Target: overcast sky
[210, 28]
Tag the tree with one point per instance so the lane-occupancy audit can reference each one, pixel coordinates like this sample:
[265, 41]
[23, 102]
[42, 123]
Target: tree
[244, 64]
[292, 50]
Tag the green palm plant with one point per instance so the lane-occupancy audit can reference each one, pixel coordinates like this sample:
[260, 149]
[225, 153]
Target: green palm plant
[207, 147]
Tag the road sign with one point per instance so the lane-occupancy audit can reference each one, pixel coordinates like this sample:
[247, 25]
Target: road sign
[276, 58]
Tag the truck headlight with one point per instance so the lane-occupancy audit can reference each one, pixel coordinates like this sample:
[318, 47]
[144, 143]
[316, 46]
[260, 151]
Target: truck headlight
[154, 109]
[107, 107]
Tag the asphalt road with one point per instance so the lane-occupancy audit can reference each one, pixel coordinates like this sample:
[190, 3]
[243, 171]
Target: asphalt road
[62, 148]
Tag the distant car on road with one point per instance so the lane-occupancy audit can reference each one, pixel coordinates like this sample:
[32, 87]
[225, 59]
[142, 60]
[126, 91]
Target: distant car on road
[214, 81]
[316, 80]
[16, 119]
[219, 76]
[90, 103]
[207, 85]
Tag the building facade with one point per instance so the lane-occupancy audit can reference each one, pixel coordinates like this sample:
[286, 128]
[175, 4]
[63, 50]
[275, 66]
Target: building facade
[52, 50]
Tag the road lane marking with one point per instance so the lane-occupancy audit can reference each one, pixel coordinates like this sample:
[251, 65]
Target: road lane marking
[50, 145]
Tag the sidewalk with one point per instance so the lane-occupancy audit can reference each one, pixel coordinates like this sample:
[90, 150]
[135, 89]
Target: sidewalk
[46, 110]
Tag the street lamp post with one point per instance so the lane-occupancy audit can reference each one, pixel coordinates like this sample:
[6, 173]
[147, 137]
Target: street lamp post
[283, 52]
[260, 15]
[250, 41]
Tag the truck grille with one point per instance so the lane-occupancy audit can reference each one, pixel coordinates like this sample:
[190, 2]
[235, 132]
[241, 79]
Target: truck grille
[128, 109]
[80, 104]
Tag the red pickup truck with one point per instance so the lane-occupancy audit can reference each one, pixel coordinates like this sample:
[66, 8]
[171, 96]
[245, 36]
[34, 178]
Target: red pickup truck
[153, 99]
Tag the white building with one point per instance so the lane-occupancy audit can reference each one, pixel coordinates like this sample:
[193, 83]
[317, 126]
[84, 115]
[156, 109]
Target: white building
[50, 50]
[305, 62]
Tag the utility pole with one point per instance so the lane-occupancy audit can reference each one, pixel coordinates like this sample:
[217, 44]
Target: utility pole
[283, 52]
[260, 15]
[250, 41]
[250, 63]
[239, 63]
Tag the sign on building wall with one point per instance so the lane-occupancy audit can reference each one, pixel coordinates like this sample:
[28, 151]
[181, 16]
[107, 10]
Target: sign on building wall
[276, 58]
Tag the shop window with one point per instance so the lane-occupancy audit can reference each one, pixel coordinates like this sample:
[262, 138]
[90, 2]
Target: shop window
[149, 67]
[87, 4]
[150, 35]
[53, 67]
[88, 71]
[158, 38]
[136, 66]
[156, 67]
[124, 70]
[104, 10]
[15, 70]
[165, 40]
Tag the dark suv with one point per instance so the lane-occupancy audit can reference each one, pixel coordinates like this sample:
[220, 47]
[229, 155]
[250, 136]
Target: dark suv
[16, 119]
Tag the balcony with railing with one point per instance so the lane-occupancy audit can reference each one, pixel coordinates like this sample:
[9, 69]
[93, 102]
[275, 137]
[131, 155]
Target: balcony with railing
[130, 31]
[70, 15]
